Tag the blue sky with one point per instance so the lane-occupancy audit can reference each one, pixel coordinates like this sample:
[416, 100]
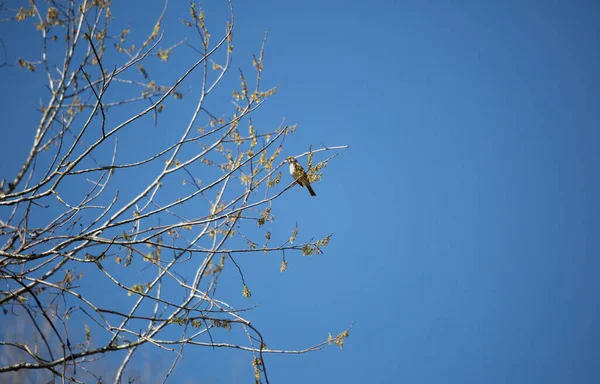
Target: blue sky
[465, 212]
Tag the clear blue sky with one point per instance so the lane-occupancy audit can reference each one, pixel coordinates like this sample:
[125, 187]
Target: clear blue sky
[465, 212]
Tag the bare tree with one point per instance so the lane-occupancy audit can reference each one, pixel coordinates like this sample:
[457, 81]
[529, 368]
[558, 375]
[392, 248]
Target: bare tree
[128, 244]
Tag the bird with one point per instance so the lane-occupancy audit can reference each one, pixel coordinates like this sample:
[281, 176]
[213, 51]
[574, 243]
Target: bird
[300, 175]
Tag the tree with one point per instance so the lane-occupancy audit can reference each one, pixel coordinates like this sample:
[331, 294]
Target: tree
[109, 243]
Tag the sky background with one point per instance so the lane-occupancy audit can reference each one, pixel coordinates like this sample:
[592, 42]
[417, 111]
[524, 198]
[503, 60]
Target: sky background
[465, 212]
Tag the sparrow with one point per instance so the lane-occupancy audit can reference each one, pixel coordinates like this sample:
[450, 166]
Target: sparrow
[300, 175]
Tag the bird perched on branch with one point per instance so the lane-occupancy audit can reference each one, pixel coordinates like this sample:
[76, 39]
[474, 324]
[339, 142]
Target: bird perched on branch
[300, 175]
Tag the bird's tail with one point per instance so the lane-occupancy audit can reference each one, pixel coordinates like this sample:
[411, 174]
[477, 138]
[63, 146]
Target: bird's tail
[311, 191]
